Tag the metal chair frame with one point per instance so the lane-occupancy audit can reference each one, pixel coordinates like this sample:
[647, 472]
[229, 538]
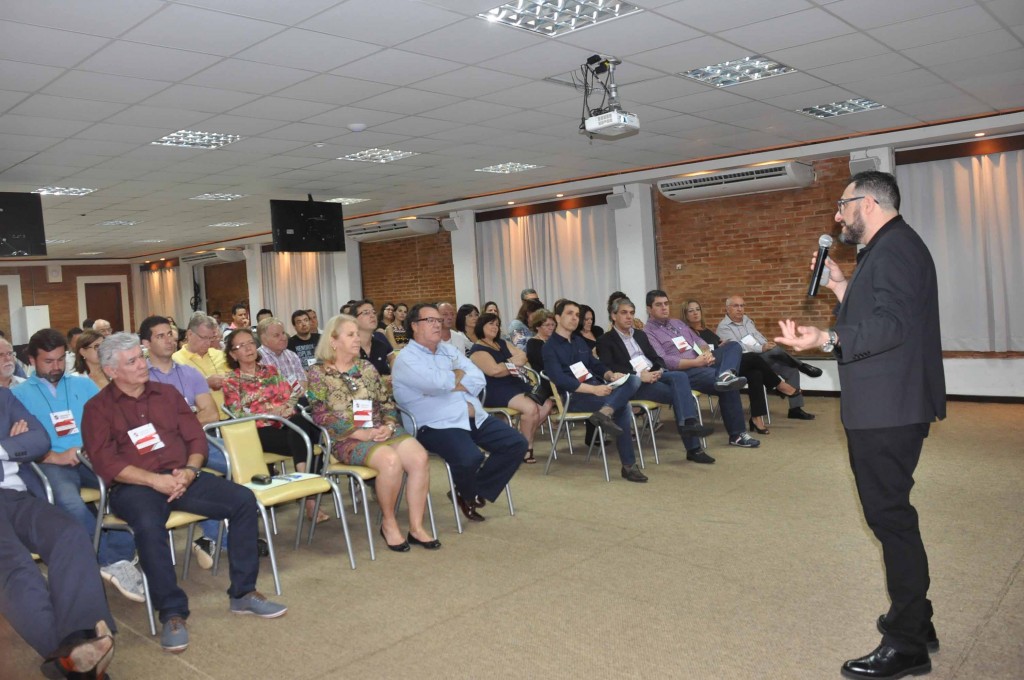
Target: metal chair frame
[565, 417]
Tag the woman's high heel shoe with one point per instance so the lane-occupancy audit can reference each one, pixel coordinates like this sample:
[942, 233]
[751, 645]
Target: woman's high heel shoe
[775, 390]
[755, 428]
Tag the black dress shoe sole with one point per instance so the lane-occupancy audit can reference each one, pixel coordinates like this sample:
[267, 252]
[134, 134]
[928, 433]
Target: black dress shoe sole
[696, 430]
[921, 669]
[932, 644]
[800, 416]
[810, 371]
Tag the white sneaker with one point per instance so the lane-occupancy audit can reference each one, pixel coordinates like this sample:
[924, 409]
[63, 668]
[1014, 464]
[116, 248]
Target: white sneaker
[126, 578]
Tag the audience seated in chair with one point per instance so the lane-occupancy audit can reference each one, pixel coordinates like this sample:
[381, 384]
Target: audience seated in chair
[711, 372]
[87, 358]
[348, 398]
[274, 351]
[570, 364]
[518, 330]
[625, 349]
[437, 385]
[199, 352]
[8, 362]
[58, 401]
[508, 386]
[373, 346]
[396, 333]
[542, 323]
[386, 316]
[305, 340]
[588, 330]
[144, 436]
[64, 616]
[739, 327]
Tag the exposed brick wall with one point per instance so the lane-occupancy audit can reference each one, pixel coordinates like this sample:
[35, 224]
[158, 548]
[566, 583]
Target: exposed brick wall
[62, 298]
[411, 270]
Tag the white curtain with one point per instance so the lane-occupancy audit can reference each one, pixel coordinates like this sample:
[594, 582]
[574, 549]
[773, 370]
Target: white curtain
[160, 295]
[293, 281]
[570, 254]
[970, 212]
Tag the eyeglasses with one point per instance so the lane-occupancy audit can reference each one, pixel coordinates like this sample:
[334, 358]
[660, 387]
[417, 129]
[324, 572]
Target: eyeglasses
[436, 320]
[6, 355]
[841, 203]
[367, 312]
[205, 338]
[738, 306]
[244, 345]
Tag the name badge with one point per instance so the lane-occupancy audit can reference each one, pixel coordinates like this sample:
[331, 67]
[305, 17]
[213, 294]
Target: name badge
[362, 412]
[512, 368]
[310, 361]
[681, 344]
[749, 340]
[145, 438]
[63, 423]
[579, 369]
[640, 364]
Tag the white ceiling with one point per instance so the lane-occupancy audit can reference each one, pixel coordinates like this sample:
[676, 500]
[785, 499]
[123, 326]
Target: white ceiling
[86, 86]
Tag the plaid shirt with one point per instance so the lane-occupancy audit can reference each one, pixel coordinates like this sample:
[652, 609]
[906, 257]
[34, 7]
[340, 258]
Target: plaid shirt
[287, 364]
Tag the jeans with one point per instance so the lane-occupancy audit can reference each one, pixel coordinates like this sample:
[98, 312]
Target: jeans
[673, 388]
[618, 401]
[461, 450]
[215, 460]
[66, 481]
[146, 511]
[727, 358]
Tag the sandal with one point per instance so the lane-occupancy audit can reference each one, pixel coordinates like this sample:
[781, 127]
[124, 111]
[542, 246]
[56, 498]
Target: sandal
[320, 517]
[528, 458]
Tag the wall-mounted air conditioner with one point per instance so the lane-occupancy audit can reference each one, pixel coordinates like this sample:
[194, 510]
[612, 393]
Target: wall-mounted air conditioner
[396, 229]
[213, 257]
[737, 181]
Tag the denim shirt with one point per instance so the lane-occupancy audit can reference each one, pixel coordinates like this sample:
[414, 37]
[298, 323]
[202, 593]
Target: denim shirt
[424, 383]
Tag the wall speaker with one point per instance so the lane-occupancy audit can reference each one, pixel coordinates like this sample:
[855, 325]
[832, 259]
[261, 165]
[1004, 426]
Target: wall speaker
[618, 201]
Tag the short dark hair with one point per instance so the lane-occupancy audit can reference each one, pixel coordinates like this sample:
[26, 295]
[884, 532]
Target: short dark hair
[489, 303]
[583, 314]
[264, 311]
[46, 340]
[148, 324]
[612, 298]
[486, 318]
[238, 305]
[229, 342]
[653, 295]
[527, 308]
[414, 315]
[297, 313]
[359, 303]
[87, 323]
[880, 185]
[72, 332]
[460, 317]
[562, 304]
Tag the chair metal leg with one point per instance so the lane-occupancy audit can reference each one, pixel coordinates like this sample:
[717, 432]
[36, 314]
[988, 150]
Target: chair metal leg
[455, 502]
[639, 439]
[430, 511]
[170, 544]
[298, 525]
[508, 496]
[557, 435]
[273, 519]
[312, 522]
[270, 546]
[189, 536]
[149, 604]
[218, 546]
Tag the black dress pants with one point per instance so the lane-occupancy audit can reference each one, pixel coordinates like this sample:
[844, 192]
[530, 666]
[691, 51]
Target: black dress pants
[883, 462]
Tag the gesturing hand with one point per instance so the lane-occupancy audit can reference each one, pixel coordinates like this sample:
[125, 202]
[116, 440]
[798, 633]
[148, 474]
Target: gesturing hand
[801, 338]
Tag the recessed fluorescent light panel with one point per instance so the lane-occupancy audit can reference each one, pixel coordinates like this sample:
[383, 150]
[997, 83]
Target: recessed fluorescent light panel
[92, 252]
[217, 197]
[378, 156]
[56, 241]
[743, 70]
[63, 191]
[195, 139]
[229, 224]
[840, 108]
[557, 17]
[346, 201]
[151, 240]
[508, 168]
[119, 223]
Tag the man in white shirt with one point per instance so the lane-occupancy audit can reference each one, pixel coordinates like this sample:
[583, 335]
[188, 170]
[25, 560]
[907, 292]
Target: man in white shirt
[8, 364]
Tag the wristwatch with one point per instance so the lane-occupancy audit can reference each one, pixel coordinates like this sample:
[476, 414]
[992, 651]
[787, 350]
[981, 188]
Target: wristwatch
[832, 341]
[194, 469]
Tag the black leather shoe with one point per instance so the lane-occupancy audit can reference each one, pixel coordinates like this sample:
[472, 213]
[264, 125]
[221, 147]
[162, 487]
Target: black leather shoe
[262, 547]
[809, 371]
[800, 414]
[429, 545]
[932, 639]
[692, 428]
[604, 421]
[633, 474]
[468, 509]
[401, 547]
[885, 663]
[699, 456]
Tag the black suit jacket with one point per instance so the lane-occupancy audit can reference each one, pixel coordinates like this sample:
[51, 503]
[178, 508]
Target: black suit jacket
[613, 353]
[25, 447]
[890, 353]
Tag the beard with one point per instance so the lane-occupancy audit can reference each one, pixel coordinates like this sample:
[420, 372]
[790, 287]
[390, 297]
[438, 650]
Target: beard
[853, 231]
[54, 376]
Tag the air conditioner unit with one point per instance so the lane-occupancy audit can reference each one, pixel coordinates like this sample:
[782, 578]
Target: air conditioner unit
[737, 182]
[390, 231]
[214, 257]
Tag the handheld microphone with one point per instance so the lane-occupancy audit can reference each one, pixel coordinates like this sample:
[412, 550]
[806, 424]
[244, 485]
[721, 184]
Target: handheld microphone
[824, 243]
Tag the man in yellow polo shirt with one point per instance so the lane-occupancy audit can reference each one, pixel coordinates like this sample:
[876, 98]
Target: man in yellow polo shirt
[198, 352]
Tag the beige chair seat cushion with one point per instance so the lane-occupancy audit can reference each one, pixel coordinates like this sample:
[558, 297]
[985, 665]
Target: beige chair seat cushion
[292, 491]
[363, 472]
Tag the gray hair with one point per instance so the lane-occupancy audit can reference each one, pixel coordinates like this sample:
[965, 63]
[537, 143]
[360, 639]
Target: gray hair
[202, 320]
[112, 346]
[619, 303]
[263, 326]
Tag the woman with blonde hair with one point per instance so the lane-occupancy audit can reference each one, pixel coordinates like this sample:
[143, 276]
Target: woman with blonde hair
[348, 398]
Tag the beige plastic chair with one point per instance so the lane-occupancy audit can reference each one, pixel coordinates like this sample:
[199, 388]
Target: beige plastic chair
[246, 459]
[567, 416]
[651, 411]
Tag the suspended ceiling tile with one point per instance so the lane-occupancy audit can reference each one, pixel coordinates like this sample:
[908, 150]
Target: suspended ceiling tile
[45, 46]
[147, 61]
[714, 16]
[384, 22]
[309, 50]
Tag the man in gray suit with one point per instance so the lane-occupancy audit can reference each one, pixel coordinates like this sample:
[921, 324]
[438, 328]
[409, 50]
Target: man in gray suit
[887, 344]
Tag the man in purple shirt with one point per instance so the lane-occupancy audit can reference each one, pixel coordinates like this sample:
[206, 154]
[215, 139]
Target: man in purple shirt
[711, 372]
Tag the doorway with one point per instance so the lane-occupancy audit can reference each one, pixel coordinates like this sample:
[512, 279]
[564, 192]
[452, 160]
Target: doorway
[103, 301]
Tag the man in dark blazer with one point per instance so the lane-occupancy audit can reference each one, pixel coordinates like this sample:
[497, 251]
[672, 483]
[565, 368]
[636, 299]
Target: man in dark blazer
[625, 349]
[887, 344]
[64, 617]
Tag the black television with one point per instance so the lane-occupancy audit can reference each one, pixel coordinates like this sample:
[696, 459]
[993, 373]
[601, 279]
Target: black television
[21, 225]
[307, 226]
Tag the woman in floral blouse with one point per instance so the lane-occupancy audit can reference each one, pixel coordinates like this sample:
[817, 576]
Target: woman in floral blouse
[252, 388]
[350, 400]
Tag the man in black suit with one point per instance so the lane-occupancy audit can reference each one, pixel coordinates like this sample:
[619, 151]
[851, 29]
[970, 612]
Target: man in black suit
[887, 344]
[624, 349]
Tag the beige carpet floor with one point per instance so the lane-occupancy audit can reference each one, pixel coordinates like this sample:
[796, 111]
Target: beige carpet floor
[759, 566]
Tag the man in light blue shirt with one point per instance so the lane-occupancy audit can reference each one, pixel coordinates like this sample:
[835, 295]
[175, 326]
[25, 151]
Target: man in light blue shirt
[438, 385]
[57, 401]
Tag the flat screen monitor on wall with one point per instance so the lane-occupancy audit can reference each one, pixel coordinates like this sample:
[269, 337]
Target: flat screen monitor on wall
[21, 225]
[307, 226]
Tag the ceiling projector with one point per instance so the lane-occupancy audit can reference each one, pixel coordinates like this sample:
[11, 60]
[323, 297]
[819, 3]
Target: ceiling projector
[613, 123]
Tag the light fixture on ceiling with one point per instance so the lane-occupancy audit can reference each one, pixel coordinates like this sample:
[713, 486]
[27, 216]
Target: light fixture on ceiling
[92, 252]
[840, 108]
[229, 224]
[119, 223]
[511, 202]
[217, 197]
[57, 241]
[378, 155]
[559, 195]
[979, 134]
[346, 201]
[737, 71]
[151, 240]
[63, 191]
[508, 168]
[196, 139]
[557, 17]
[356, 127]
